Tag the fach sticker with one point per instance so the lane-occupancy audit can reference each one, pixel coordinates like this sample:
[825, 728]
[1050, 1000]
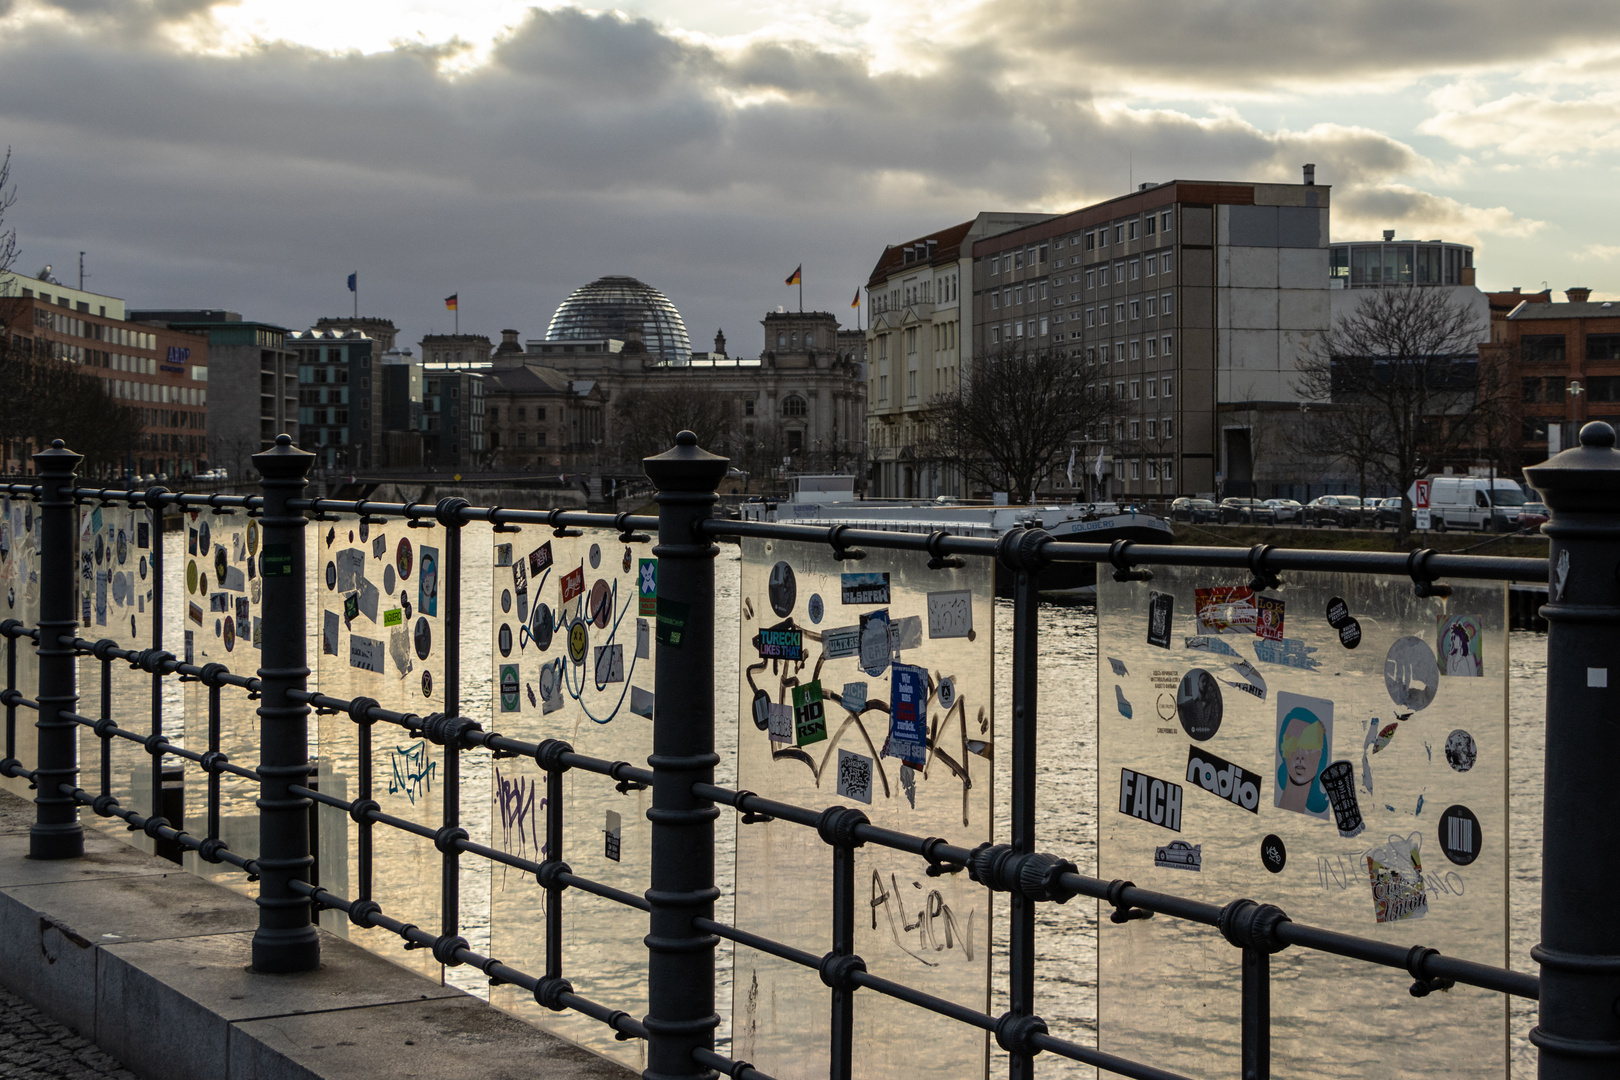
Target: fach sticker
[1149, 799]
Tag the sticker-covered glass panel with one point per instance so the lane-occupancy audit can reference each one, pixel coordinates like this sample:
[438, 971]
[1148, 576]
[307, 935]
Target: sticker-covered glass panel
[867, 684]
[573, 620]
[1337, 747]
[19, 599]
[381, 636]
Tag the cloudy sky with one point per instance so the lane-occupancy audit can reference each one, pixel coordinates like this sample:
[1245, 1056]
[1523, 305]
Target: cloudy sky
[251, 154]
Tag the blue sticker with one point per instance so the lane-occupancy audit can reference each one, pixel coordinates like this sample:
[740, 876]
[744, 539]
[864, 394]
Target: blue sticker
[815, 608]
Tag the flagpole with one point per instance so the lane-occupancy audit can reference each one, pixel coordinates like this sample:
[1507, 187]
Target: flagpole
[357, 294]
[801, 291]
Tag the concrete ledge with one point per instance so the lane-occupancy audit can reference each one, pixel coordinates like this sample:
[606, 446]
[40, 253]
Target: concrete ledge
[152, 963]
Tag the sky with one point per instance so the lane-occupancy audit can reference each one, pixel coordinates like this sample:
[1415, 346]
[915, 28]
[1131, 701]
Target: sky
[250, 155]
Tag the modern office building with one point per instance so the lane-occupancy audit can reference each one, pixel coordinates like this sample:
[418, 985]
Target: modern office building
[340, 412]
[382, 331]
[453, 438]
[401, 380]
[255, 382]
[160, 371]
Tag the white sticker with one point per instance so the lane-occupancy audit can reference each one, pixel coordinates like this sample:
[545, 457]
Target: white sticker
[854, 776]
[947, 692]
[1597, 677]
[641, 702]
[906, 633]
[609, 664]
[366, 653]
[612, 828]
[841, 642]
[643, 641]
[950, 614]
[779, 721]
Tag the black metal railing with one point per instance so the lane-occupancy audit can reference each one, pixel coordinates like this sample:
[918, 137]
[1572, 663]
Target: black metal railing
[1579, 984]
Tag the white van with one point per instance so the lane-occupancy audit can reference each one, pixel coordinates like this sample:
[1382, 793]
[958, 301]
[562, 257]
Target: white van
[1472, 502]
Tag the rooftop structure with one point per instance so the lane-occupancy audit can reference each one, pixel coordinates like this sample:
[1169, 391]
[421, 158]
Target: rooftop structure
[605, 307]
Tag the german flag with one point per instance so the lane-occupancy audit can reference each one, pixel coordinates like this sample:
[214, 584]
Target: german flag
[450, 302]
[797, 277]
[857, 301]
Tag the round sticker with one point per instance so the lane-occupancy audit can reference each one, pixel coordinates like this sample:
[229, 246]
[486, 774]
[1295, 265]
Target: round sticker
[1166, 706]
[1273, 854]
[253, 537]
[331, 535]
[202, 584]
[230, 634]
[365, 529]
[1411, 673]
[331, 575]
[203, 536]
[762, 710]
[427, 683]
[1459, 835]
[578, 641]
[504, 640]
[506, 601]
[405, 603]
[783, 589]
[947, 692]
[118, 589]
[1350, 633]
[191, 575]
[388, 579]
[1461, 753]
[816, 610]
[141, 566]
[123, 547]
[424, 639]
[596, 556]
[601, 604]
[1198, 704]
[541, 627]
[220, 564]
[101, 548]
[402, 559]
[626, 561]
[1338, 613]
[216, 628]
[549, 674]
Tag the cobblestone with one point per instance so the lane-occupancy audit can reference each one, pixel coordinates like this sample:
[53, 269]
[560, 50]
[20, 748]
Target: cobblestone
[35, 1047]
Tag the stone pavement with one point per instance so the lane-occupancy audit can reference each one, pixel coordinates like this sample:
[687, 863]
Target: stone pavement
[35, 1047]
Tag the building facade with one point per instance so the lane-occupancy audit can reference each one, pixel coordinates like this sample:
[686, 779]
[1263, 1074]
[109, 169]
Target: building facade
[453, 419]
[159, 371]
[339, 410]
[1566, 357]
[382, 331]
[539, 418]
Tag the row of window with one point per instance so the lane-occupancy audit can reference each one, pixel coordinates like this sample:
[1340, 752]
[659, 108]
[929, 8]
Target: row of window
[1553, 390]
[117, 335]
[941, 290]
[1156, 429]
[129, 390]
[1157, 468]
[1553, 348]
[1153, 223]
[1162, 262]
[1150, 307]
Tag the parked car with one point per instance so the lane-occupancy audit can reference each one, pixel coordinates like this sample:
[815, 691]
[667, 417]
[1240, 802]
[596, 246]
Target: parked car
[1472, 502]
[1334, 510]
[1387, 514]
[1285, 509]
[1532, 516]
[1246, 512]
[1194, 510]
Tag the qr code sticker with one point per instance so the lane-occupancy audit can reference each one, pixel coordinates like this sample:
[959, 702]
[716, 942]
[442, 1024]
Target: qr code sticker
[855, 776]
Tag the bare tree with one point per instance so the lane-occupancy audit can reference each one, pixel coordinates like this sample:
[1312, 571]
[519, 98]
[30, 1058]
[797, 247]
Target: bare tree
[1012, 423]
[646, 420]
[8, 234]
[1402, 368]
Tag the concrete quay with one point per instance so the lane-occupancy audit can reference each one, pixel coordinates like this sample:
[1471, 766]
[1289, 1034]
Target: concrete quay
[151, 964]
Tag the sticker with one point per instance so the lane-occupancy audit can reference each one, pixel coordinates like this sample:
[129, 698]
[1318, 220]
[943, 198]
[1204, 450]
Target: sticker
[778, 721]
[351, 567]
[784, 641]
[1304, 748]
[1411, 674]
[611, 828]
[364, 653]
[809, 714]
[596, 556]
[579, 641]
[194, 613]
[1205, 643]
[365, 529]
[191, 575]
[388, 578]
[643, 640]
[506, 601]
[423, 636]
[399, 651]
[1199, 705]
[647, 586]
[906, 633]
[393, 617]
[540, 629]
[782, 589]
[204, 538]
[600, 604]
[841, 642]
[142, 535]
[853, 696]
[1378, 737]
[1597, 678]
[427, 582]
[539, 559]
[220, 562]
[947, 692]
[510, 694]
[1459, 835]
[1289, 652]
[191, 542]
[1216, 775]
[950, 614]
[331, 574]
[1273, 853]
[1459, 646]
[520, 585]
[551, 686]
[1179, 855]
[875, 647]
[1118, 666]
[641, 702]
[1254, 684]
[624, 564]
[671, 624]
[253, 537]
[1268, 619]
[864, 588]
[427, 684]
[1461, 753]
[1395, 871]
[379, 547]
[854, 776]
[329, 634]
[609, 664]
[1339, 781]
[817, 609]
[1160, 608]
[1560, 575]
[908, 722]
[572, 584]
[1225, 609]
[503, 640]
[1148, 799]
[1120, 700]
[503, 556]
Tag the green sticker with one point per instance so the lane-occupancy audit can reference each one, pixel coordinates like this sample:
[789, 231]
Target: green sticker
[671, 622]
[809, 715]
[393, 617]
[647, 587]
[278, 560]
[509, 688]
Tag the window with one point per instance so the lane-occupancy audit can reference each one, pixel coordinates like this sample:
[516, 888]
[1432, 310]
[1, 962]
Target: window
[1153, 386]
[1152, 262]
[1152, 307]
[793, 405]
[540, 414]
[1165, 426]
[1164, 344]
[1136, 350]
[1091, 279]
[995, 265]
[1166, 384]
[1018, 329]
[1119, 351]
[1102, 236]
[1542, 348]
[1043, 253]
[1006, 297]
[1043, 288]
[1102, 275]
[1152, 351]
[1150, 225]
[1165, 303]
[1603, 346]
[1164, 221]
[1131, 229]
[1136, 466]
[1018, 259]
[1102, 315]
[1102, 354]
[748, 407]
[1152, 466]
[1119, 311]
[522, 439]
[1091, 316]
[1018, 295]
[1136, 269]
[1031, 326]
[1136, 429]
[1091, 241]
[1136, 388]
[1164, 466]
[995, 301]
[1119, 391]
[1119, 271]
[1136, 309]
[1165, 263]
[1119, 234]
[1152, 426]
[995, 335]
[1043, 328]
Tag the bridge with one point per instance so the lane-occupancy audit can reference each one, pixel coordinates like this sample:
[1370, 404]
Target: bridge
[603, 798]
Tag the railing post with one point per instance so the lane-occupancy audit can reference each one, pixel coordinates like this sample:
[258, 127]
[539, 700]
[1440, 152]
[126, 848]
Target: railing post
[286, 939]
[680, 961]
[1579, 1029]
[57, 832]
[1256, 1020]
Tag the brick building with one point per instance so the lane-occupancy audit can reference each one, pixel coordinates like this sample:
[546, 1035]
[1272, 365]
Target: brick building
[1566, 357]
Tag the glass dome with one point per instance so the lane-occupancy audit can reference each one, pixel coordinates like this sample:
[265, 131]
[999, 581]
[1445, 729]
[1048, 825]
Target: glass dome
[607, 305]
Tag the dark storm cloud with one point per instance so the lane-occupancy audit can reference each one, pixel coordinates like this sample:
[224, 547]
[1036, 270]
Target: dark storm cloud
[588, 144]
[1234, 44]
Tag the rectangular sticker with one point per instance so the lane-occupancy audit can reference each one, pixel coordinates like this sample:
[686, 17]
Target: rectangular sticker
[613, 834]
[854, 696]
[366, 653]
[572, 584]
[393, 617]
[784, 641]
[867, 588]
[671, 623]
[539, 559]
[840, 642]
[779, 722]
[643, 640]
[511, 692]
[329, 634]
[809, 714]
[1225, 609]
[351, 566]
[1304, 749]
[1149, 799]
[609, 664]
[503, 554]
[278, 560]
[647, 587]
[854, 776]
[906, 633]
[1268, 618]
[379, 546]
[195, 614]
[876, 648]
[1160, 608]
[908, 724]
[427, 581]
[641, 702]
[1220, 777]
[950, 614]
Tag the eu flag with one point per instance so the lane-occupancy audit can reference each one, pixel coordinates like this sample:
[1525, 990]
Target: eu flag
[354, 279]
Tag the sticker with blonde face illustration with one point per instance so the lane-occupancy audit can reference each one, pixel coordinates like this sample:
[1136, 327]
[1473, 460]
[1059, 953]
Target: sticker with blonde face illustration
[1304, 749]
